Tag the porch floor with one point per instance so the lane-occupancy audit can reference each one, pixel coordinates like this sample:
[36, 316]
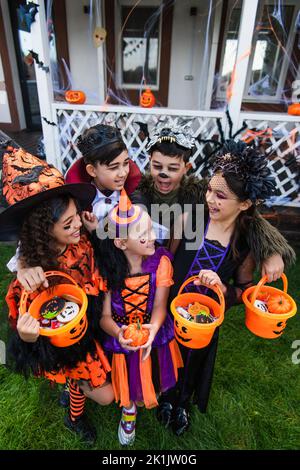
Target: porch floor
[26, 139]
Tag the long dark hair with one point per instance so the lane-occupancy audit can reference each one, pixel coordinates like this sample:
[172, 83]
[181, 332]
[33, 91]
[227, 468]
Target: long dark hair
[38, 246]
[112, 262]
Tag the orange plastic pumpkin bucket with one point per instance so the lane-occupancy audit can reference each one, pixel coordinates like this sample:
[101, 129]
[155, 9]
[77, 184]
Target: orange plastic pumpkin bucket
[196, 335]
[266, 324]
[71, 332]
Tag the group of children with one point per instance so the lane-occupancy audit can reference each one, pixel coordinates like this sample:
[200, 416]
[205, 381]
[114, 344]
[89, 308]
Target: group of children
[127, 275]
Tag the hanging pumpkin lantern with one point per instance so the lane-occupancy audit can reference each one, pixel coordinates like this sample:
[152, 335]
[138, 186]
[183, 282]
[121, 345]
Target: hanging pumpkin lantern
[75, 96]
[294, 109]
[147, 99]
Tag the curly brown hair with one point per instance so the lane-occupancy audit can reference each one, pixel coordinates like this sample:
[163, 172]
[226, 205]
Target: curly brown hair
[38, 247]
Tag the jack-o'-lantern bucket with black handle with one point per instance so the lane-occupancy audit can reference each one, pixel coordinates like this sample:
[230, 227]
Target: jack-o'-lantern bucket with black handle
[71, 332]
[267, 324]
[189, 333]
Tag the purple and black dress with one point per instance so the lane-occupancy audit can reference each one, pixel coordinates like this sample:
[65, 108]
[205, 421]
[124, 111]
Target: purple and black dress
[134, 303]
[196, 378]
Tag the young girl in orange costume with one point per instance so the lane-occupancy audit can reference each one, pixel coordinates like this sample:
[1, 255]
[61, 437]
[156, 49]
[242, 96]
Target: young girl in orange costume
[44, 216]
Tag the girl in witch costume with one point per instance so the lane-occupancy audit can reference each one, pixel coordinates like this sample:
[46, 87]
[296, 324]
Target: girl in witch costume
[44, 216]
[240, 180]
[106, 165]
[138, 278]
[169, 184]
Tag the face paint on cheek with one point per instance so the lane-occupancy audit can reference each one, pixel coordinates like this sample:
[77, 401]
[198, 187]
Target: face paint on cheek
[142, 241]
[163, 175]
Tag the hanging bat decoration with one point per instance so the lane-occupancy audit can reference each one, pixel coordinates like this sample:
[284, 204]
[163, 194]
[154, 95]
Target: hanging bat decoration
[26, 15]
[49, 122]
[39, 63]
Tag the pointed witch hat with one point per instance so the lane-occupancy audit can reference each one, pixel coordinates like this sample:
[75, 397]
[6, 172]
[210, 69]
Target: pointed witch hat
[29, 181]
[124, 214]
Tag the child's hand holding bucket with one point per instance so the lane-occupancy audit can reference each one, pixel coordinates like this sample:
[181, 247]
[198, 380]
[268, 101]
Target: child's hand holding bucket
[32, 278]
[209, 278]
[28, 328]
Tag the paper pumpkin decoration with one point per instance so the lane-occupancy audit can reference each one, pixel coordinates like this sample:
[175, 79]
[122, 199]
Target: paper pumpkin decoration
[147, 99]
[294, 109]
[75, 96]
[99, 36]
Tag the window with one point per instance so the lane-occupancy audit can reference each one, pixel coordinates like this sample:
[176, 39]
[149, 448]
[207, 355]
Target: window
[270, 55]
[139, 61]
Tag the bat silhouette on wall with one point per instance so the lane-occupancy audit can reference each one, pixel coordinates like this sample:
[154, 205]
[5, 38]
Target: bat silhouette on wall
[49, 122]
[40, 64]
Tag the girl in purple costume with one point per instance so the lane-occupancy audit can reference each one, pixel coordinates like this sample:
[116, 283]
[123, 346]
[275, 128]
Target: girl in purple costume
[138, 278]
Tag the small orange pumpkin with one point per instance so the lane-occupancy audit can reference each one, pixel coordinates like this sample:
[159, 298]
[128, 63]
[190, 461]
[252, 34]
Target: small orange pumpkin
[294, 109]
[75, 96]
[278, 304]
[137, 333]
[147, 99]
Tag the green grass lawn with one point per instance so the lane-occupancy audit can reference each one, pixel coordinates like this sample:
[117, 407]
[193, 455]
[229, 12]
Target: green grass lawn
[254, 404]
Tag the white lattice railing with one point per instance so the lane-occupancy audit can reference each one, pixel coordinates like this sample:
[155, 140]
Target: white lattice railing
[284, 140]
[283, 146]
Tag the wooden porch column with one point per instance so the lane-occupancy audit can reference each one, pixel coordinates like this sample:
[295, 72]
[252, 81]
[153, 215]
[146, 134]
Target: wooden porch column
[40, 43]
[238, 80]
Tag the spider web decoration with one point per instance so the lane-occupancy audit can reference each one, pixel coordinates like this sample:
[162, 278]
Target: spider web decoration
[213, 145]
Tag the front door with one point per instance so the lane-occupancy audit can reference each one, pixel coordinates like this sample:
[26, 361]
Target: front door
[23, 44]
[138, 48]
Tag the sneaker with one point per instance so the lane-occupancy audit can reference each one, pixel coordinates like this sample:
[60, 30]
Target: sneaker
[83, 428]
[64, 399]
[181, 421]
[165, 413]
[126, 431]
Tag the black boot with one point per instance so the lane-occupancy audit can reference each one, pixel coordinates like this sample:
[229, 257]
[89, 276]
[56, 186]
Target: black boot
[181, 420]
[82, 427]
[165, 413]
